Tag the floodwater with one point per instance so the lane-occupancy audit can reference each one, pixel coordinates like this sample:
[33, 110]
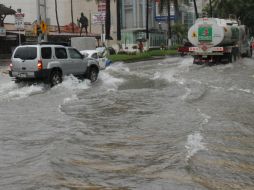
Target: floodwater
[159, 125]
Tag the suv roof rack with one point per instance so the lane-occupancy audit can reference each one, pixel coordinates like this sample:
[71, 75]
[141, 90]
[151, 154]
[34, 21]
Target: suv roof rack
[45, 43]
[55, 43]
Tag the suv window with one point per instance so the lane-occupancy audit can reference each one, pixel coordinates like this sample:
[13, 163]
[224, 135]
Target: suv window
[61, 53]
[74, 54]
[46, 53]
[26, 53]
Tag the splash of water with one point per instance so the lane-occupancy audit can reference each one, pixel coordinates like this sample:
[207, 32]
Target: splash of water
[118, 67]
[194, 144]
[110, 82]
[24, 92]
[70, 99]
[72, 83]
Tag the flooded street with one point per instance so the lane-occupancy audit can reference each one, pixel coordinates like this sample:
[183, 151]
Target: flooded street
[159, 125]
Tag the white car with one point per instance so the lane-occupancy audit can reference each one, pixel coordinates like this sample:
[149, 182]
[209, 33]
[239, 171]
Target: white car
[95, 54]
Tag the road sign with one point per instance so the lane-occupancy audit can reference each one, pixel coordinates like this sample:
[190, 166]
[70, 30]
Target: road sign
[19, 21]
[99, 18]
[164, 18]
[43, 27]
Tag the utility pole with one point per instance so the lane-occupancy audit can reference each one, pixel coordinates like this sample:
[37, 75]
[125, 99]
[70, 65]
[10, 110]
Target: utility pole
[38, 18]
[40, 4]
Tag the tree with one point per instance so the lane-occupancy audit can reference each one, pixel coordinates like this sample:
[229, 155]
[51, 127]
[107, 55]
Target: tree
[162, 4]
[107, 21]
[177, 12]
[118, 19]
[195, 7]
[4, 11]
[72, 23]
[58, 26]
[241, 9]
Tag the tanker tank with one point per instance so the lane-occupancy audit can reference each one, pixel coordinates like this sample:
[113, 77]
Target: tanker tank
[213, 32]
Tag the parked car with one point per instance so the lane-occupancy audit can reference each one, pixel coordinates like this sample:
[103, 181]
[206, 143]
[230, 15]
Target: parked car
[50, 62]
[99, 56]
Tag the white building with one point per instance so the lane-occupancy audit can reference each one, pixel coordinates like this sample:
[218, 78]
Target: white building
[188, 12]
[89, 8]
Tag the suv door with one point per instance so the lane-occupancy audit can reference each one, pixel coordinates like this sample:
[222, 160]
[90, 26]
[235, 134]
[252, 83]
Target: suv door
[25, 59]
[62, 58]
[46, 55]
[78, 63]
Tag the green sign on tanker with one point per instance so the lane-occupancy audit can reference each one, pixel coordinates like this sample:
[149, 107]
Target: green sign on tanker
[205, 33]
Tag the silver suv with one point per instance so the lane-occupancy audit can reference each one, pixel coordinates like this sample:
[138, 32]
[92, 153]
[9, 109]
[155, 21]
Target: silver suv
[50, 63]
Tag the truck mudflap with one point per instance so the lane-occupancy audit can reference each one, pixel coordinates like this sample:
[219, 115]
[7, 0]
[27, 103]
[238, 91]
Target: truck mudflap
[212, 59]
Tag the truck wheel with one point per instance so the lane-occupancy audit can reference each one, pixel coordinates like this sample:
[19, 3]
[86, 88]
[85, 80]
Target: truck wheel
[93, 74]
[250, 53]
[55, 78]
[230, 58]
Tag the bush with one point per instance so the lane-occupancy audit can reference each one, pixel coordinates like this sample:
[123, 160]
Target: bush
[132, 56]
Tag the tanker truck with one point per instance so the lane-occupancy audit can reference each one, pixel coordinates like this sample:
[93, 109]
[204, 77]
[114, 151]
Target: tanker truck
[218, 40]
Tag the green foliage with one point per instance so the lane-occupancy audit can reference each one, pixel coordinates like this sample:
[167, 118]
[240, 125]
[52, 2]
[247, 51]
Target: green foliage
[141, 56]
[181, 31]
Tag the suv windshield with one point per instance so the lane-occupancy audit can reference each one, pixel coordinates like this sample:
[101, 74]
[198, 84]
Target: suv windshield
[26, 53]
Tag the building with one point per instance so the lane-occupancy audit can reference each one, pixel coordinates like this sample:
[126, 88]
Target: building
[93, 11]
[133, 25]
[188, 11]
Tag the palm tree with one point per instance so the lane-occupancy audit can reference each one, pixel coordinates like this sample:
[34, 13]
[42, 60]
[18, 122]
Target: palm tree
[211, 8]
[162, 4]
[177, 12]
[57, 17]
[196, 9]
[147, 21]
[4, 11]
[118, 19]
[72, 23]
[107, 21]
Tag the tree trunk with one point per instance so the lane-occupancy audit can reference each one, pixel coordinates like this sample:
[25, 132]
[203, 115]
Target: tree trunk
[57, 17]
[211, 8]
[72, 23]
[147, 20]
[107, 20]
[169, 20]
[177, 13]
[196, 9]
[118, 18]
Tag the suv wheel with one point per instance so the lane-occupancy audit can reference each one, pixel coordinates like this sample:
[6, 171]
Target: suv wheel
[93, 74]
[55, 78]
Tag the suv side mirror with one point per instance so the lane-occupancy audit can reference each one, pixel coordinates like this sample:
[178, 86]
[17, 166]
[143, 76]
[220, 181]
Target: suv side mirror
[82, 56]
